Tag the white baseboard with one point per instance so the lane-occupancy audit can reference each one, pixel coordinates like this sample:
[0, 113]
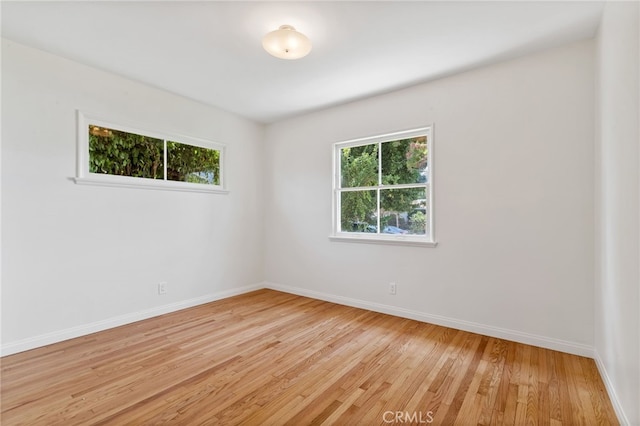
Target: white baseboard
[513, 335]
[487, 330]
[83, 330]
[613, 396]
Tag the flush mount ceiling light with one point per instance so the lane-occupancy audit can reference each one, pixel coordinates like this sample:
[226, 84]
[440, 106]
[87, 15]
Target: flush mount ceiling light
[286, 43]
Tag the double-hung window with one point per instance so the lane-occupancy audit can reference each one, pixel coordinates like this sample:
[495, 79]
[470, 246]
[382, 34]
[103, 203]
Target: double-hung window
[117, 155]
[383, 189]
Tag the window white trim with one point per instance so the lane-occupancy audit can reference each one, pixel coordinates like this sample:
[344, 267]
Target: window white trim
[337, 235]
[136, 182]
[399, 240]
[85, 177]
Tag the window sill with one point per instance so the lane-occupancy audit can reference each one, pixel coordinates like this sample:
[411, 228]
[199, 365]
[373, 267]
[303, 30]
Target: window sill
[143, 183]
[378, 239]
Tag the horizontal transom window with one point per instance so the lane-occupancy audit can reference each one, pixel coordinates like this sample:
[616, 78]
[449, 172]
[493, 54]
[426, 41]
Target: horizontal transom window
[112, 154]
[383, 188]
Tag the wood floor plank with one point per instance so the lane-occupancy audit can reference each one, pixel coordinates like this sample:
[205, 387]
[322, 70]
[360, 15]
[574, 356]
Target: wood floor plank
[273, 358]
[597, 392]
[490, 385]
[555, 411]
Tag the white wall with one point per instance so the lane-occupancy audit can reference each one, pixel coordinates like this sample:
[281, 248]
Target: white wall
[513, 197]
[617, 289]
[80, 258]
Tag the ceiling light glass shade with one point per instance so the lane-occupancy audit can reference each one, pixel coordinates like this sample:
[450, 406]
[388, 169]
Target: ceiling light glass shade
[286, 43]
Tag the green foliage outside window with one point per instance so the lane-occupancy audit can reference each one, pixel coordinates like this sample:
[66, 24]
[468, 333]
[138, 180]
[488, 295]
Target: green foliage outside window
[125, 154]
[418, 222]
[121, 153]
[359, 167]
[187, 163]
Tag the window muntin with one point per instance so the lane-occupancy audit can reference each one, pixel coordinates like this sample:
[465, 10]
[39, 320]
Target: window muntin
[383, 187]
[116, 155]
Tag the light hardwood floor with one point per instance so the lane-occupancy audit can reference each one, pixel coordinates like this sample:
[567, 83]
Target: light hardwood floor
[271, 358]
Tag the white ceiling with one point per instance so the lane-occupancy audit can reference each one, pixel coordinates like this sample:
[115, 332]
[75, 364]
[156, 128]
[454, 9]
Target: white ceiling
[211, 51]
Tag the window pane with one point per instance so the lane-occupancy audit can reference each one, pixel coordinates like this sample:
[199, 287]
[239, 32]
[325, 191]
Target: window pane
[120, 153]
[188, 163]
[403, 211]
[359, 166]
[405, 161]
[358, 211]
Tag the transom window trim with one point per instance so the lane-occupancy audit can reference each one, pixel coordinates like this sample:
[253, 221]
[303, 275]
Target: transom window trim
[427, 240]
[85, 177]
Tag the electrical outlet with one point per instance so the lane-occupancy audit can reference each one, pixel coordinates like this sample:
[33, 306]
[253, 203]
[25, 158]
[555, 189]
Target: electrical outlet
[392, 288]
[162, 288]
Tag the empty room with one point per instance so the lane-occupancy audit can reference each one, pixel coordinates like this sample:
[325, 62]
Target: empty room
[333, 212]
